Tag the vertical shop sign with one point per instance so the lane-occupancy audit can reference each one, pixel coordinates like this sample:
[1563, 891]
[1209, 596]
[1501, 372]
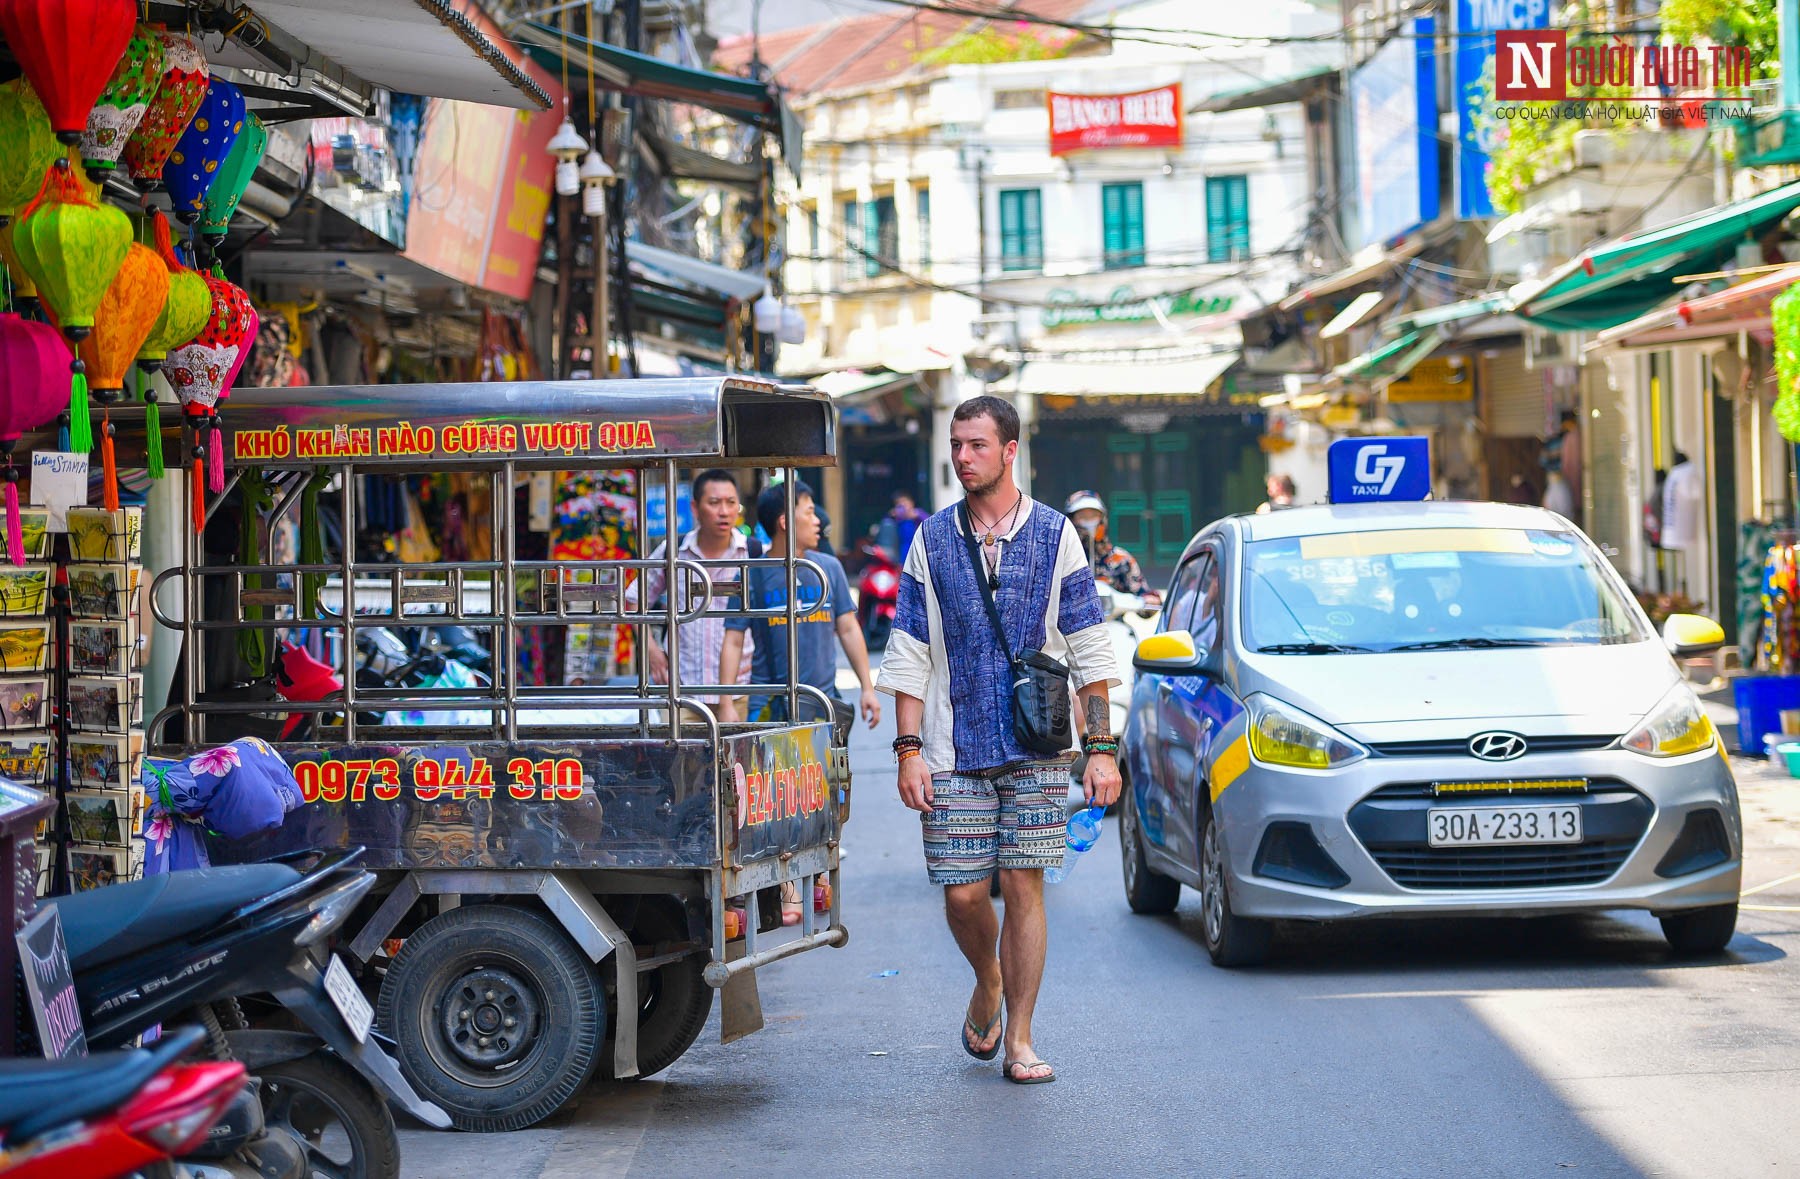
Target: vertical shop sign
[1476, 23]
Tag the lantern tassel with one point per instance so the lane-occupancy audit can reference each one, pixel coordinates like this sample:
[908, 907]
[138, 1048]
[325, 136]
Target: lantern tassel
[62, 433]
[215, 458]
[199, 482]
[81, 422]
[153, 450]
[15, 531]
[109, 489]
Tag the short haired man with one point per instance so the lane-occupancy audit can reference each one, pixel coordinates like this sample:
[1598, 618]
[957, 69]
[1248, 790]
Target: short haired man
[987, 803]
[715, 537]
[819, 616]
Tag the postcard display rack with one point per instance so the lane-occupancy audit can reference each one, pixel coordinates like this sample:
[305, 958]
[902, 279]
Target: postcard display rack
[72, 688]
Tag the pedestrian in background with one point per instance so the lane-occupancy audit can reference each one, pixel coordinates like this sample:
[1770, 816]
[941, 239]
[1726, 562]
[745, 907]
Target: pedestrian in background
[907, 516]
[987, 803]
[1280, 490]
[715, 537]
[1111, 563]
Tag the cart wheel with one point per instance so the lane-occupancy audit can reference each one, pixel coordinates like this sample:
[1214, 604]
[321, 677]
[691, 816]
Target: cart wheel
[673, 999]
[498, 1015]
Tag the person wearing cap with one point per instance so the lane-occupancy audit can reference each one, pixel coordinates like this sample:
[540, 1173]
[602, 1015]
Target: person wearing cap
[1112, 564]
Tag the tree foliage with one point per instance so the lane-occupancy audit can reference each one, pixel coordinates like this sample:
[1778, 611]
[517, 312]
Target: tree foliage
[993, 45]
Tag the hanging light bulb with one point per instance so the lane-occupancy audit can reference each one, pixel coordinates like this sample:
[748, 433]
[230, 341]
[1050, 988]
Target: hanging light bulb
[765, 313]
[595, 175]
[567, 146]
[793, 326]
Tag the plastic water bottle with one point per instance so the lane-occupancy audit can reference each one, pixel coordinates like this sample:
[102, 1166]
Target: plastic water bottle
[1083, 833]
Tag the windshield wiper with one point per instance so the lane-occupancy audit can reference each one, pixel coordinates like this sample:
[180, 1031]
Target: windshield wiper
[1310, 649]
[1468, 642]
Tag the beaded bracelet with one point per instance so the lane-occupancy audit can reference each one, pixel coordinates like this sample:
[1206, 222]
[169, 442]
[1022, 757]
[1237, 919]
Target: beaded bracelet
[1100, 745]
[907, 741]
[906, 753]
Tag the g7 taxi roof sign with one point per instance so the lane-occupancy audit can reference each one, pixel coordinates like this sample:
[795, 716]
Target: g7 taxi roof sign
[1379, 470]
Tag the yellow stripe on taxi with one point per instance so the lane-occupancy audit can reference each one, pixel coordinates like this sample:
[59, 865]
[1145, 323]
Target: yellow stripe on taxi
[1230, 765]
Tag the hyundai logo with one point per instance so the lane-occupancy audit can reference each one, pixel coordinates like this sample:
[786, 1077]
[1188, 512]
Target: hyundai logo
[1497, 746]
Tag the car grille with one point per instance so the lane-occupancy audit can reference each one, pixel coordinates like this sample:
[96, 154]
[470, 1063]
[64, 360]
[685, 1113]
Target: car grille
[1390, 822]
[1459, 747]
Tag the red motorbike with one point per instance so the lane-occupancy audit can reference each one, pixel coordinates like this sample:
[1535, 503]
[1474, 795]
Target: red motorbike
[877, 597]
[110, 1114]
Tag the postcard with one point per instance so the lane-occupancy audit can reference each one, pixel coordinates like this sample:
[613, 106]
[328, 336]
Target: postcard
[24, 702]
[34, 523]
[25, 757]
[24, 590]
[106, 761]
[96, 534]
[96, 867]
[104, 648]
[25, 646]
[103, 591]
[104, 816]
[110, 705]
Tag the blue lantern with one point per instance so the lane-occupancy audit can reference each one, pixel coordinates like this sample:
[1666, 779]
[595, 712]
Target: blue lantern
[202, 148]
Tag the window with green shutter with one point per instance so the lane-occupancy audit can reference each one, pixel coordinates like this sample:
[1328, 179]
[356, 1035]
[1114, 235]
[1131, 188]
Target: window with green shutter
[1122, 224]
[1227, 218]
[924, 208]
[1021, 229]
[881, 236]
[850, 228]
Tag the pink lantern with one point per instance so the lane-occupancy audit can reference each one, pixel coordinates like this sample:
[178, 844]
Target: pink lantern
[34, 388]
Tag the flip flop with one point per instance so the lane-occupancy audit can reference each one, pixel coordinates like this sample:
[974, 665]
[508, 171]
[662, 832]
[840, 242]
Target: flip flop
[1028, 1064]
[969, 1042]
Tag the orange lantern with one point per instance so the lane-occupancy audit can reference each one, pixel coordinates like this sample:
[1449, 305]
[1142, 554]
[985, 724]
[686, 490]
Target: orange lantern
[130, 308]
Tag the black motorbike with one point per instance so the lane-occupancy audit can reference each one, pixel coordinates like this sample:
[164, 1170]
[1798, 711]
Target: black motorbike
[187, 946]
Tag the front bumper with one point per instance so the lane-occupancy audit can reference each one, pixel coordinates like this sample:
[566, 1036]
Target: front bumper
[1365, 817]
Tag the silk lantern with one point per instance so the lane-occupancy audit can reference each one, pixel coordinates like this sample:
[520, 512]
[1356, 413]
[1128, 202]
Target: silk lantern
[192, 166]
[23, 287]
[34, 365]
[199, 369]
[27, 145]
[179, 93]
[234, 177]
[184, 316]
[68, 49]
[137, 296]
[121, 106]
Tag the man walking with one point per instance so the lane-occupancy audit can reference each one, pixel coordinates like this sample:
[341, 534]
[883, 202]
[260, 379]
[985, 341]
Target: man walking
[715, 538]
[820, 617]
[987, 803]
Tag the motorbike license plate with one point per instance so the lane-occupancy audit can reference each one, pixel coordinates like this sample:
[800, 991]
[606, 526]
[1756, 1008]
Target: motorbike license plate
[1485, 826]
[348, 999]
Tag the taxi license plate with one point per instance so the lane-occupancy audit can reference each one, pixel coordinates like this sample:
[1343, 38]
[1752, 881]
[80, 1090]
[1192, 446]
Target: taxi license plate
[348, 999]
[1484, 826]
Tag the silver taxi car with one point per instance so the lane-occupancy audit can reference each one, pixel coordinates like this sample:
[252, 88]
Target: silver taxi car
[1437, 708]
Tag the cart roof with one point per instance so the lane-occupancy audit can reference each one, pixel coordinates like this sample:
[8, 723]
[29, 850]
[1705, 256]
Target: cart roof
[537, 424]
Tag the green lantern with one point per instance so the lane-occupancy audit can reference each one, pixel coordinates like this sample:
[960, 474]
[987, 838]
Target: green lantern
[72, 248]
[121, 106]
[27, 145]
[234, 177]
[1784, 316]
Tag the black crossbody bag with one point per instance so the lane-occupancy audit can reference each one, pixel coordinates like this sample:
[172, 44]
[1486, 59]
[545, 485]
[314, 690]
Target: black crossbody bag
[1040, 687]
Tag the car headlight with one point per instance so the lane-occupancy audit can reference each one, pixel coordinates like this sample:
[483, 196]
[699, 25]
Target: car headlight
[1282, 735]
[1674, 727]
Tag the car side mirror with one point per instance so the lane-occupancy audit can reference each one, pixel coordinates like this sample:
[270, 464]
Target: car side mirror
[1173, 653]
[1692, 634]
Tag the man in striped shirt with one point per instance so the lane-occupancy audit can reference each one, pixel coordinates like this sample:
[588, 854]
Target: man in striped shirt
[714, 538]
[987, 803]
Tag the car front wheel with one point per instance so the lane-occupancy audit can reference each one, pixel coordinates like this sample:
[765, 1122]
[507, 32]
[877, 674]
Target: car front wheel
[1701, 931]
[1145, 891]
[1230, 939]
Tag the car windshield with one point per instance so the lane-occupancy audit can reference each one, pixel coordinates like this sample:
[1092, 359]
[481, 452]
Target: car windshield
[1425, 589]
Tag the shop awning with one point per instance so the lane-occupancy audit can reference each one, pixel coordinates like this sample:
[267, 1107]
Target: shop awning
[733, 284]
[1743, 308]
[619, 69]
[1354, 312]
[854, 387]
[1292, 88]
[1451, 313]
[1391, 360]
[424, 47]
[1369, 265]
[1070, 378]
[1624, 278]
[687, 163]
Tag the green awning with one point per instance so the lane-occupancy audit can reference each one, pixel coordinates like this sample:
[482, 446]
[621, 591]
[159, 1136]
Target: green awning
[743, 99]
[1292, 88]
[1619, 281]
[1391, 360]
[1481, 305]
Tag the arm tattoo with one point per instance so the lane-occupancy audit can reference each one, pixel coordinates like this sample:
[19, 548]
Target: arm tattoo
[1099, 714]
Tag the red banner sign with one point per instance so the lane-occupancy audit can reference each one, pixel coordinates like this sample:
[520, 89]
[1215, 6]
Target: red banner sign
[1144, 118]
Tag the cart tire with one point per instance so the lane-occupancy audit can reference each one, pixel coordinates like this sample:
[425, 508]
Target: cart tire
[343, 1121]
[1145, 891]
[673, 999]
[1701, 931]
[447, 999]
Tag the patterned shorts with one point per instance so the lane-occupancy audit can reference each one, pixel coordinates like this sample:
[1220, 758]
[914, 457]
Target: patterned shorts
[1008, 818]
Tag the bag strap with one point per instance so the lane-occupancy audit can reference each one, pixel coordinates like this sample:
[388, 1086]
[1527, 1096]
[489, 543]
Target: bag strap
[981, 579]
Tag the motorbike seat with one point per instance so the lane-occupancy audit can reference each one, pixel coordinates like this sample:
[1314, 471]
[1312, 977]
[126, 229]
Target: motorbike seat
[107, 924]
[31, 1085]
